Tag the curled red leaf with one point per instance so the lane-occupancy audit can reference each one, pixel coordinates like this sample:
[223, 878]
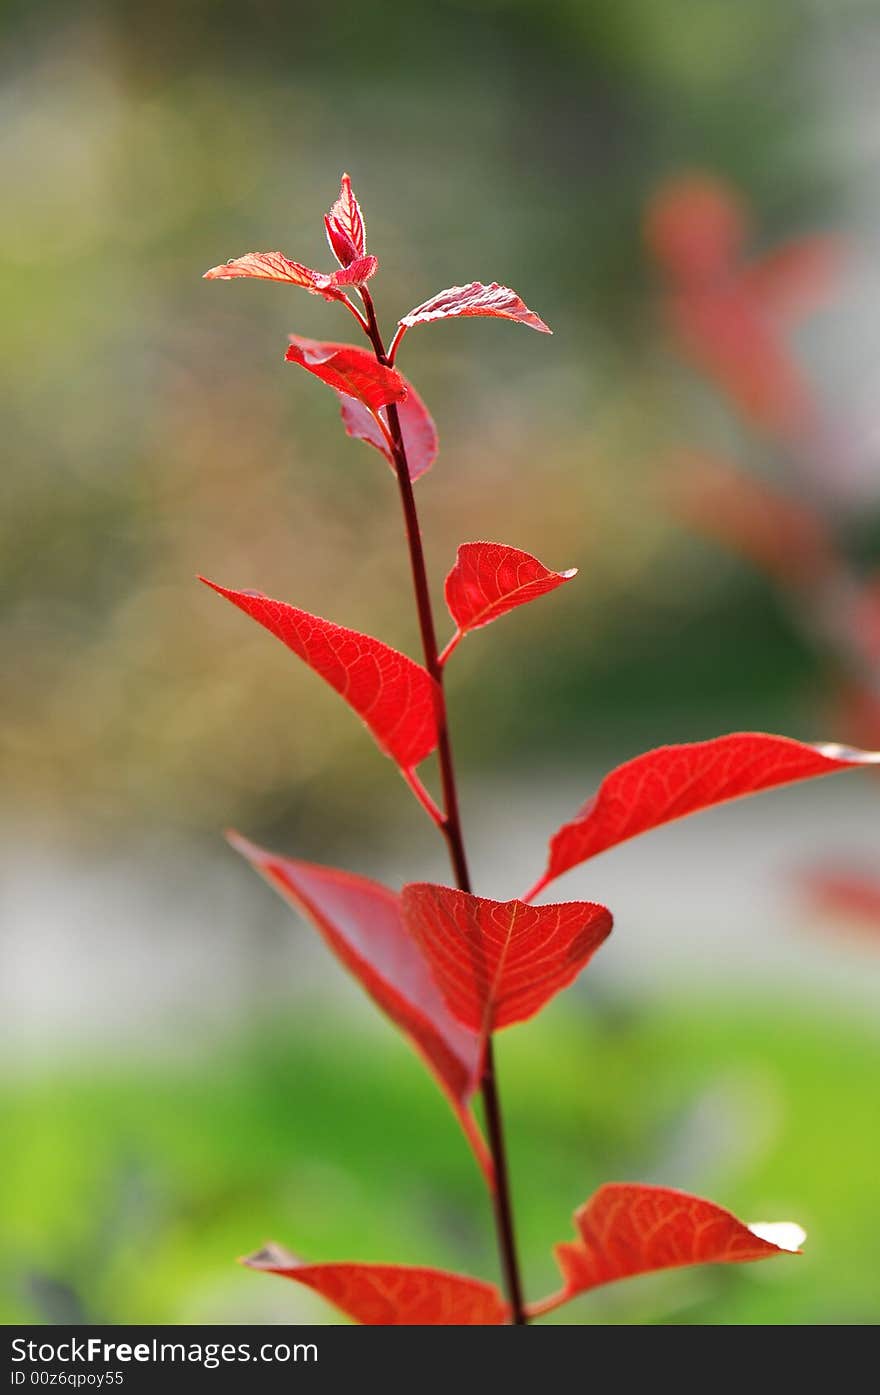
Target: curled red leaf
[476, 298]
[361, 923]
[628, 1228]
[349, 370]
[356, 273]
[391, 1295]
[391, 693]
[673, 781]
[346, 231]
[416, 425]
[274, 266]
[489, 579]
[499, 962]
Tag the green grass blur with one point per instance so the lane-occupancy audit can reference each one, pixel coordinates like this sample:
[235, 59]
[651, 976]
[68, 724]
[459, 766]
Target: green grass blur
[129, 1190]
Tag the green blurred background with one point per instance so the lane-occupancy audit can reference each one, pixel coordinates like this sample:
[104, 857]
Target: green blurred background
[186, 1074]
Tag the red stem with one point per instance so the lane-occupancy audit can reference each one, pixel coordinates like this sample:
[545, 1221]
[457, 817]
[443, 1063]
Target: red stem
[452, 831]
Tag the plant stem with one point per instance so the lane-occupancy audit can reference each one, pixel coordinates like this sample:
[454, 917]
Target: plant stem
[452, 832]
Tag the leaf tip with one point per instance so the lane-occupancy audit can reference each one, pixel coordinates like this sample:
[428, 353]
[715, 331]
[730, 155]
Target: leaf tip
[785, 1235]
[270, 1257]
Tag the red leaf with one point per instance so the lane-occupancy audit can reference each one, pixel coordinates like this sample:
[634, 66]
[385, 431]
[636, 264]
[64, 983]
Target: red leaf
[346, 232]
[391, 1295]
[416, 425]
[393, 695]
[361, 923]
[673, 781]
[627, 1229]
[274, 266]
[851, 895]
[775, 531]
[695, 227]
[798, 276]
[357, 272]
[857, 711]
[866, 620]
[729, 315]
[475, 299]
[265, 266]
[499, 962]
[729, 339]
[349, 370]
[489, 579]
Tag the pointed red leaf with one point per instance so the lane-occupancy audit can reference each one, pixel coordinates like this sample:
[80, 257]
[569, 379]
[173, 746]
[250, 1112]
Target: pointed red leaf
[475, 299]
[394, 696]
[346, 231]
[391, 1295]
[673, 781]
[274, 266]
[499, 962]
[489, 579]
[361, 923]
[266, 266]
[627, 1229]
[416, 425]
[349, 370]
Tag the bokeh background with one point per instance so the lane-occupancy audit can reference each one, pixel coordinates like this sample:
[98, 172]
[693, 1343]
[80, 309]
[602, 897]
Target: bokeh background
[186, 1072]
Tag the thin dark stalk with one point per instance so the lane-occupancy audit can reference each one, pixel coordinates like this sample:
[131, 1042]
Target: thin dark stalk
[452, 832]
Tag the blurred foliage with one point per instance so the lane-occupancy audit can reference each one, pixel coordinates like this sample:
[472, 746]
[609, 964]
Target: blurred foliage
[131, 1187]
[153, 431]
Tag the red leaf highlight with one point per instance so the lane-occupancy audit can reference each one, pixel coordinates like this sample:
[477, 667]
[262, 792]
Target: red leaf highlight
[361, 923]
[346, 231]
[500, 302]
[349, 370]
[672, 782]
[274, 266]
[499, 962]
[627, 1229]
[391, 1295]
[394, 696]
[416, 425]
[489, 579]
